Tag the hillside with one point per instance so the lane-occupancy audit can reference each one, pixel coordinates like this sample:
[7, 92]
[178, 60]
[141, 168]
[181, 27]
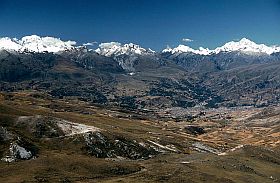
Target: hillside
[123, 113]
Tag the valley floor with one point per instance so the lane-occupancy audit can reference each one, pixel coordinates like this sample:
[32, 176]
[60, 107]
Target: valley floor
[72, 141]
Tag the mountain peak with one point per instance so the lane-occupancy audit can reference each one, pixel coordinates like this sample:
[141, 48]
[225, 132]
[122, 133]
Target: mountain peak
[36, 43]
[246, 46]
[179, 49]
[243, 45]
[187, 49]
[115, 48]
[245, 41]
[7, 43]
[30, 38]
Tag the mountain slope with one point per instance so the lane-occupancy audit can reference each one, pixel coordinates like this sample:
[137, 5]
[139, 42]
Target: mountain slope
[129, 76]
[254, 85]
[127, 55]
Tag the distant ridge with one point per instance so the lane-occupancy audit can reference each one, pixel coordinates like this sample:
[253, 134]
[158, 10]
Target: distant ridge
[39, 44]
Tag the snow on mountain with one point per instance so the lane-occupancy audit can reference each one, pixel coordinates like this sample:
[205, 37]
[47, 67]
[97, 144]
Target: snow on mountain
[70, 128]
[42, 44]
[187, 49]
[9, 44]
[116, 49]
[244, 45]
[36, 44]
[126, 55]
[247, 46]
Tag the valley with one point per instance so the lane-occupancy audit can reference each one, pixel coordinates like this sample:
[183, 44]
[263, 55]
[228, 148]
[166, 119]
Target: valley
[123, 113]
[242, 144]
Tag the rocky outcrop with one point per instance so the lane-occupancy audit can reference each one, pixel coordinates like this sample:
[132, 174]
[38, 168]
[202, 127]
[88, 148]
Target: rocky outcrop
[102, 146]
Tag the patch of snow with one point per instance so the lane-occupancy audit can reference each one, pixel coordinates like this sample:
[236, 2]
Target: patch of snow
[70, 128]
[163, 147]
[231, 150]
[8, 159]
[222, 154]
[17, 151]
[204, 148]
[236, 148]
[142, 144]
[23, 118]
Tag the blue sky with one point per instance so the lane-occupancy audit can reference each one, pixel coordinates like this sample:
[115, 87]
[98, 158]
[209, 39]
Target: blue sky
[150, 23]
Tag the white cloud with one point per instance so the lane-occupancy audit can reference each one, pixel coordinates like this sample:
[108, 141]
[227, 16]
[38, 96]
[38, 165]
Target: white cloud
[109, 45]
[90, 44]
[187, 40]
[72, 43]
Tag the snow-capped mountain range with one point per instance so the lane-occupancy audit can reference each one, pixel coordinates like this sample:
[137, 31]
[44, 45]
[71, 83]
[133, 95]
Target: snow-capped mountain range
[39, 44]
[187, 49]
[36, 44]
[244, 45]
